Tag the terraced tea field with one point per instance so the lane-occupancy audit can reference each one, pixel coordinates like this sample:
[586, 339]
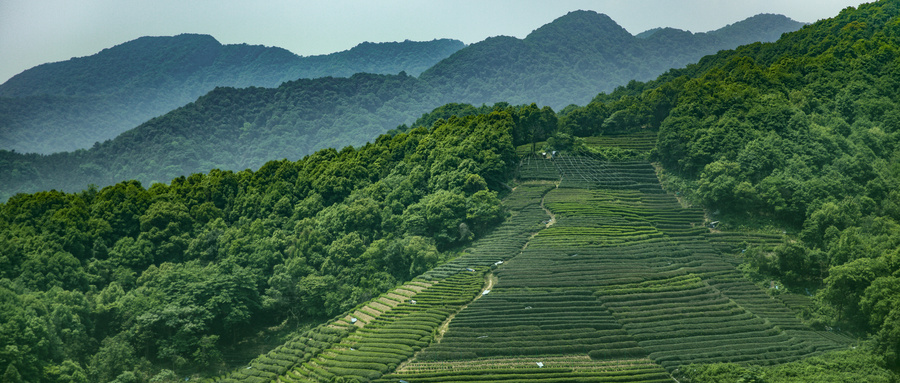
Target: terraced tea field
[378, 336]
[365, 346]
[598, 275]
[639, 142]
[625, 277]
[551, 369]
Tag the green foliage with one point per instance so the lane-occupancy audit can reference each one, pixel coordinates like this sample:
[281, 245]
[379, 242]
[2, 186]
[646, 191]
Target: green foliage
[800, 133]
[840, 366]
[105, 284]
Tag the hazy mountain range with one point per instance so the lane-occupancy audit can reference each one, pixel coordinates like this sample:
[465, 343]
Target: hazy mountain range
[566, 61]
[71, 104]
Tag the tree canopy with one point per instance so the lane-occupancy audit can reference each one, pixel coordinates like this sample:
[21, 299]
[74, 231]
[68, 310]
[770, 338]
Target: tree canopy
[111, 281]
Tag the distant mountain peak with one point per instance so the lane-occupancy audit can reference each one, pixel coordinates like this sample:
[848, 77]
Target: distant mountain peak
[583, 24]
[661, 31]
[766, 26]
[158, 42]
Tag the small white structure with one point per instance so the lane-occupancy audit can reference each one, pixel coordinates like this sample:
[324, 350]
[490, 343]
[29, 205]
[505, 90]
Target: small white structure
[540, 364]
[353, 319]
[485, 292]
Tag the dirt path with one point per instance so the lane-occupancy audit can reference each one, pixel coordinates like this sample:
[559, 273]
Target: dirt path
[490, 280]
[550, 213]
[549, 223]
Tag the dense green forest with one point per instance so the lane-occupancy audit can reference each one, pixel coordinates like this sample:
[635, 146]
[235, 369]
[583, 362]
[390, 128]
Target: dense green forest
[572, 59]
[115, 281]
[798, 137]
[70, 105]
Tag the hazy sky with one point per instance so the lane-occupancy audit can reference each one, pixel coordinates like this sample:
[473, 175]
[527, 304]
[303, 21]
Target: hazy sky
[33, 32]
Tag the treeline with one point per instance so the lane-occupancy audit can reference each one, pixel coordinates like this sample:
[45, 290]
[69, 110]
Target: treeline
[72, 104]
[116, 283]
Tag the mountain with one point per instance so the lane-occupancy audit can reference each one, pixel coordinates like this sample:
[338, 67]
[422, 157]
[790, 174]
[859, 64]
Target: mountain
[571, 58]
[760, 244]
[231, 129]
[72, 104]
[580, 54]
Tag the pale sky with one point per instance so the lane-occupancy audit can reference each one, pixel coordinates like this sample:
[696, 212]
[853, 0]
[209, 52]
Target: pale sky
[33, 32]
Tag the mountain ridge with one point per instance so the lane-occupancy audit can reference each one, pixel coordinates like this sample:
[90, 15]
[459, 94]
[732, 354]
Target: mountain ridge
[73, 104]
[574, 57]
[498, 69]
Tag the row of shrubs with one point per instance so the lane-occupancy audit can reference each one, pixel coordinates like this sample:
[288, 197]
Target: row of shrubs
[654, 287]
[281, 359]
[653, 374]
[393, 337]
[504, 241]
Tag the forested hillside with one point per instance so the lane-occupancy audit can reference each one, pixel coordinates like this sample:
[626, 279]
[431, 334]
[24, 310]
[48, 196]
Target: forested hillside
[572, 59]
[396, 260]
[791, 148]
[799, 136]
[72, 104]
[119, 281]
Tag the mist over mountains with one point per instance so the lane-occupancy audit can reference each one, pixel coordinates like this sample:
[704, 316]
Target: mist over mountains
[72, 104]
[571, 59]
[567, 61]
